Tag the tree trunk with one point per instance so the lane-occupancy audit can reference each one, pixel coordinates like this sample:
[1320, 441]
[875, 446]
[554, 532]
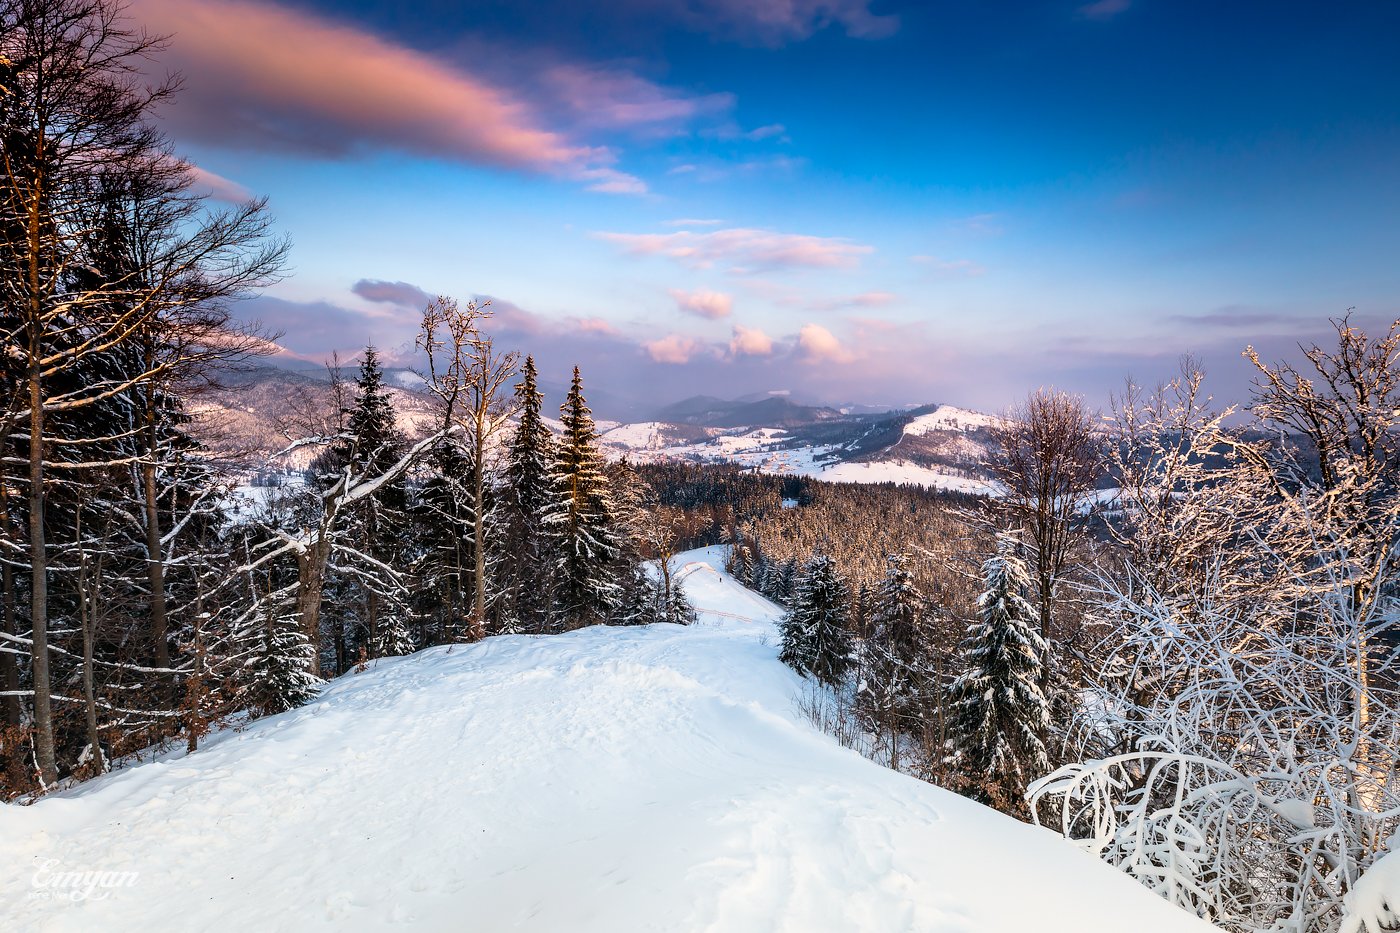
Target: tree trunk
[39, 593]
[9, 668]
[311, 572]
[155, 558]
[87, 617]
[478, 625]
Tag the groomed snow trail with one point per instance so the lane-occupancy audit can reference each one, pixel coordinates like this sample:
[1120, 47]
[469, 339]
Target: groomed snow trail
[648, 779]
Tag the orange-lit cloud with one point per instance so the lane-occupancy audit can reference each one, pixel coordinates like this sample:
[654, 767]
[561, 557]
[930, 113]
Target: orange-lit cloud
[261, 75]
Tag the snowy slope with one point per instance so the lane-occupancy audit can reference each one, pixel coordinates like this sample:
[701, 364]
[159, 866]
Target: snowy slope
[655, 778]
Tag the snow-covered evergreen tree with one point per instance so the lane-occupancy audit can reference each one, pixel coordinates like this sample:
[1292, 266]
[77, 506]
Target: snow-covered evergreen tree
[999, 714]
[815, 633]
[393, 639]
[279, 673]
[897, 679]
[529, 460]
[366, 590]
[578, 520]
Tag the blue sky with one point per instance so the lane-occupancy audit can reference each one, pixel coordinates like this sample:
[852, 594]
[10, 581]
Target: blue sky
[854, 201]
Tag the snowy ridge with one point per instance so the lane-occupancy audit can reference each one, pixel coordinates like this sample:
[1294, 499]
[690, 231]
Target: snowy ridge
[657, 778]
[949, 418]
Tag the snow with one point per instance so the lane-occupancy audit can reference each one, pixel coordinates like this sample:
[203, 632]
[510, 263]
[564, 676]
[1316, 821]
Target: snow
[949, 418]
[643, 435]
[1373, 903]
[902, 471]
[656, 778]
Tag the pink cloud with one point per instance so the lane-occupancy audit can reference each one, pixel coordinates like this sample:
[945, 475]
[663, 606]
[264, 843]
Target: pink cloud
[673, 349]
[750, 341]
[258, 74]
[816, 344]
[744, 246]
[395, 293]
[595, 325]
[706, 304]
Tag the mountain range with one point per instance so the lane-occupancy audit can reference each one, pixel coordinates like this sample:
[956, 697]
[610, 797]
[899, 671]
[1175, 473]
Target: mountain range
[250, 416]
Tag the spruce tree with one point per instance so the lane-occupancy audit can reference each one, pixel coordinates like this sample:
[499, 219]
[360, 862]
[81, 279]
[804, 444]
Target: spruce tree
[366, 590]
[578, 519]
[279, 672]
[999, 714]
[529, 460]
[896, 682]
[815, 636]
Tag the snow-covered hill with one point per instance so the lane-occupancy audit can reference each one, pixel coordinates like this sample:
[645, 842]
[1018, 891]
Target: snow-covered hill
[942, 449]
[657, 778]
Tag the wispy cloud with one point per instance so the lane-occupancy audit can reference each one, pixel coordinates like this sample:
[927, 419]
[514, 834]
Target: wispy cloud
[745, 247]
[1104, 9]
[949, 267]
[218, 187]
[1232, 316]
[615, 99]
[777, 23]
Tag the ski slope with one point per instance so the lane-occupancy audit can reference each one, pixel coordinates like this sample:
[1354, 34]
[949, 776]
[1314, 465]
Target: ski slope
[641, 779]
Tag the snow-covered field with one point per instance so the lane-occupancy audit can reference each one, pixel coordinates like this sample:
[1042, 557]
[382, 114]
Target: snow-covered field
[657, 778]
[902, 471]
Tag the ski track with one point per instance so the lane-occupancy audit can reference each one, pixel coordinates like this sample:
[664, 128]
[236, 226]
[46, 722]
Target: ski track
[655, 778]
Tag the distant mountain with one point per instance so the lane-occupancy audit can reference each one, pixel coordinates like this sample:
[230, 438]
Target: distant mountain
[765, 411]
[935, 445]
[250, 416]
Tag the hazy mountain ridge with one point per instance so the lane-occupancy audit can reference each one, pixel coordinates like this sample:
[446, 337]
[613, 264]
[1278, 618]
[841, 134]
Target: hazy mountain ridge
[248, 416]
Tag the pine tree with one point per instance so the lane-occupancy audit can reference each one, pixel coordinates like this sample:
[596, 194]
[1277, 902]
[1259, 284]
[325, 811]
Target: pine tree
[896, 677]
[366, 590]
[279, 673]
[529, 460]
[999, 714]
[394, 639]
[578, 519]
[816, 639]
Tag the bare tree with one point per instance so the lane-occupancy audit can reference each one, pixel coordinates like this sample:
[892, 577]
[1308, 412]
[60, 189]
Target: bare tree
[1047, 460]
[469, 377]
